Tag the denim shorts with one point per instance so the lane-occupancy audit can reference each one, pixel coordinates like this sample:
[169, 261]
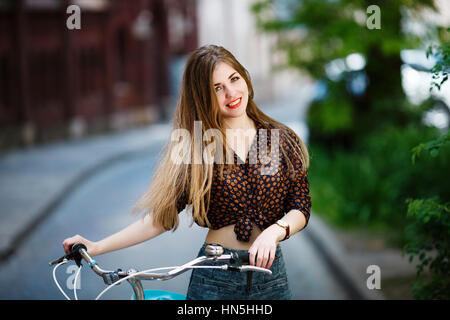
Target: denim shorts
[217, 284]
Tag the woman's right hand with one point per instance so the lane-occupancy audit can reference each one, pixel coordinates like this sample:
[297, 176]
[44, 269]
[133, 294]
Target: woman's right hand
[90, 245]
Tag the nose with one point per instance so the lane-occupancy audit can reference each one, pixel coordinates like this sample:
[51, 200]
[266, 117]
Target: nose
[229, 92]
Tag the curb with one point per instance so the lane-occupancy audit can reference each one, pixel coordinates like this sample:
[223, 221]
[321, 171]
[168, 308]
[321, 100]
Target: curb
[335, 256]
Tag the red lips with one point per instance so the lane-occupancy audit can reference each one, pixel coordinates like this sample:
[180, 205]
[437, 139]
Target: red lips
[236, 105]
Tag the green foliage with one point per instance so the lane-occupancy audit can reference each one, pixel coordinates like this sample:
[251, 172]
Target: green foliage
[331, 116]
[442, 67]
[368, 186]
[430, 229]
[429, 234]
[312, 34]
[430, 242]
[432, 147]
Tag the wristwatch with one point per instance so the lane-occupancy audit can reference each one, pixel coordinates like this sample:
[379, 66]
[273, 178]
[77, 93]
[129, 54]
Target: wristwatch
[285, 226]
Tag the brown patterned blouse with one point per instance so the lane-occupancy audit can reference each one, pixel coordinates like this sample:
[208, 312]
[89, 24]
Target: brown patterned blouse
[249, 194]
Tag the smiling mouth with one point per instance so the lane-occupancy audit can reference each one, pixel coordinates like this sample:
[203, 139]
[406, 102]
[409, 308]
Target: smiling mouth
[234, 104]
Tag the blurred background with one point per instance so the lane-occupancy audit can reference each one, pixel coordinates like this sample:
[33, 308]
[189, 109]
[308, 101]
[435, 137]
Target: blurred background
[85, 112]
[122, 68]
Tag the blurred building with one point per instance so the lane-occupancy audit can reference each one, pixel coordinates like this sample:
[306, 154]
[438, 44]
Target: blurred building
[112, 73]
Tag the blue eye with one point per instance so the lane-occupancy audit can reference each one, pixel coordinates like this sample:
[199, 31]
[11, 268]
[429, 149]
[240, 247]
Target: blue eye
[232, 80]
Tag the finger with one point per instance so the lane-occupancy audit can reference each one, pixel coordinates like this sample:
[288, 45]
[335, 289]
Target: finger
[251, 257]
[65, 245]
[69, 242]
[272, 258]
[265, 259]
[260, 257]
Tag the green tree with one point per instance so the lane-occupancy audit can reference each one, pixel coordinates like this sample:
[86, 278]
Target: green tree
[442, 68]
[430, 235]
[319, 36]
[430, 229]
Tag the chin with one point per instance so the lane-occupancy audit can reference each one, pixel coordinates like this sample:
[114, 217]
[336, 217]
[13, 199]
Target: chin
[234, 113]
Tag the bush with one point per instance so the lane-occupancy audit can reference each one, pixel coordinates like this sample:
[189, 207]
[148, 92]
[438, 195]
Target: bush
[368, 187]
[430, 234]
[430, 242]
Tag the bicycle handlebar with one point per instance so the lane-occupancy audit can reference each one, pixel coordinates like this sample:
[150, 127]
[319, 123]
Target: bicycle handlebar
[242, 256]
[214, 254]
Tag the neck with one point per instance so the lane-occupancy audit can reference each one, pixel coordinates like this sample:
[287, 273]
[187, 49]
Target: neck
[243, 122]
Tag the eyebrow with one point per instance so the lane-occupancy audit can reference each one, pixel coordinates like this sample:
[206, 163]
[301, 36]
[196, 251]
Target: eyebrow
[228, 78]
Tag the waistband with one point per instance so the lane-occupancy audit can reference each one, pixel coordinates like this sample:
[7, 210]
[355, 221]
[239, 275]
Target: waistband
[229, 250]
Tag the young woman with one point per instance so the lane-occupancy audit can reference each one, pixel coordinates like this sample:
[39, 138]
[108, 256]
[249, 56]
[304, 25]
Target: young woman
[250, 190]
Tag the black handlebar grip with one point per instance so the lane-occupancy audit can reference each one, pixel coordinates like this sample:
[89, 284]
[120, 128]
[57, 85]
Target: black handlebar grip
[244, 257]
[241, 257]
[75, 253]
[77, 247]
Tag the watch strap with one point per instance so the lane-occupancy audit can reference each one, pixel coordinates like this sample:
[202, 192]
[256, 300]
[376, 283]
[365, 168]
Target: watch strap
[285, 227]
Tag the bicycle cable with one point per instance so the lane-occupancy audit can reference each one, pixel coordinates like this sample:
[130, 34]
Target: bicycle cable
[130, 276]
[151, 270]
[56, 281]
[76, 282]
[224, 267]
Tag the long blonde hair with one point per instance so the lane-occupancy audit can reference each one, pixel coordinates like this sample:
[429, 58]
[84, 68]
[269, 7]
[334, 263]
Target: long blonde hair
[197, 102]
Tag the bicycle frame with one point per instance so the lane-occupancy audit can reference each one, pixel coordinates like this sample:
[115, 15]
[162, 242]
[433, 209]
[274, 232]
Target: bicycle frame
[159, 295]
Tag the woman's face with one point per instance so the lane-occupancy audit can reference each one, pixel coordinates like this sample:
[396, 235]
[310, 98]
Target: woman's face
[231, 91]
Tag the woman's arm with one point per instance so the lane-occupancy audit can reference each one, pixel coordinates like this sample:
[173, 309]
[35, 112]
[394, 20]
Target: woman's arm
[137, 232]
[296, 220]
[262, 251]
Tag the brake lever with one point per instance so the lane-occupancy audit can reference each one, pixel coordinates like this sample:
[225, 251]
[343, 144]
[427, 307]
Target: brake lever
[58, 260]
[74, 254]
[253, 268]
[245, 268]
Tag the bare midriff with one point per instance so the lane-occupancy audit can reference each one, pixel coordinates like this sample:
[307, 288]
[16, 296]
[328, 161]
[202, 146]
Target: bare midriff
[226, 237]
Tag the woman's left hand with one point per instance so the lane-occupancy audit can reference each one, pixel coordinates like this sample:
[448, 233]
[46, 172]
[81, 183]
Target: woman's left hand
[265, 246]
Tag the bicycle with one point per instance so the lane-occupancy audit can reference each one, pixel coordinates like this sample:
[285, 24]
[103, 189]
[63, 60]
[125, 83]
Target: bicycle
[214, 253]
